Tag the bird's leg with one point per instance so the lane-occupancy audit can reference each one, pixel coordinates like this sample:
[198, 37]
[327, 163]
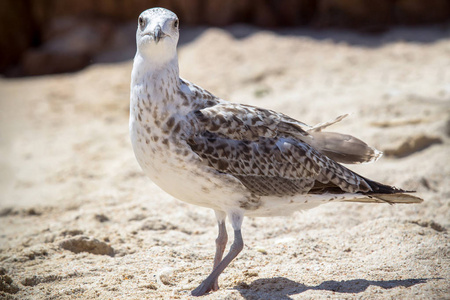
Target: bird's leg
[221, 242]
[209, 283]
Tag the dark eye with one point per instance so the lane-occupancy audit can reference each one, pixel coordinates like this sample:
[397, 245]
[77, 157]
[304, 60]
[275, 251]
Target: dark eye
[175, 24]
[141, 22]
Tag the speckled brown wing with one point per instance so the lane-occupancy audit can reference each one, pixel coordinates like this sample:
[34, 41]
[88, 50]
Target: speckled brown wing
[259, 148]
[245, 122]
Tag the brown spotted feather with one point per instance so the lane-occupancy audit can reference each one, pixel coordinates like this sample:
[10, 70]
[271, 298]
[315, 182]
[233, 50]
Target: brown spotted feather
[261, 149]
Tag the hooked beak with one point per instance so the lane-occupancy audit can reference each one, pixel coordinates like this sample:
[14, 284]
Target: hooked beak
[158, 34]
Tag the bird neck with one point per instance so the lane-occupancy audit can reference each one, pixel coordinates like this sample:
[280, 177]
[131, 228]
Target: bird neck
[152, 83]
[147, 69]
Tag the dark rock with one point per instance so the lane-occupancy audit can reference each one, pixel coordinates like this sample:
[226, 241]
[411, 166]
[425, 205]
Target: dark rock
[431, 224]
[412, 145]
[31, 281]
[101, 218]
[7, 211]
[35, 279]
[72, 232]
[7, 285]
[157, 224]
[85, 244]
[34, 252]
[33, 212]
[137, 217]
[447, 127]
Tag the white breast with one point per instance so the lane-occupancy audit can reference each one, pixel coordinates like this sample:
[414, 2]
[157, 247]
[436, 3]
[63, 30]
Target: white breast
[169, 161]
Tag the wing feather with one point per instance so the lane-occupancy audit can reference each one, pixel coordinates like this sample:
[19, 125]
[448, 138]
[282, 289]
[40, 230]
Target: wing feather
[263, 150]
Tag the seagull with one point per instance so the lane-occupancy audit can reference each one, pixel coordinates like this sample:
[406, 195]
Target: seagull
[237, 159]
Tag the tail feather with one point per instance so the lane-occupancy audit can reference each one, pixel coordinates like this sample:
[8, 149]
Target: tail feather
[347, 149]
[382, 193]
[380, 188]
[344, 148]
[398, 198]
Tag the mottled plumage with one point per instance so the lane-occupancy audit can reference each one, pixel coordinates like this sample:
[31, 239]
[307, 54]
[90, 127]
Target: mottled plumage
[267, 151]
[236, 159]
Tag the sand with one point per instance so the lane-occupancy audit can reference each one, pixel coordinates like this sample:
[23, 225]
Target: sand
[79, 220]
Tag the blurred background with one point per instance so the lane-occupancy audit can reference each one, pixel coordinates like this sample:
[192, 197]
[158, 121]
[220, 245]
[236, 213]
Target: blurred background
[55, 36]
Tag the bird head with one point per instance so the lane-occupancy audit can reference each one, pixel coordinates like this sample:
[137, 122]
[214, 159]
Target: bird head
[157, 34]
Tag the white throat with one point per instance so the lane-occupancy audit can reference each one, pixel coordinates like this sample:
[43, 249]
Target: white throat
[149, 67]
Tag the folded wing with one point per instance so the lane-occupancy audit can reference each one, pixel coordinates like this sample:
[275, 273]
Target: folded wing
[267, 152]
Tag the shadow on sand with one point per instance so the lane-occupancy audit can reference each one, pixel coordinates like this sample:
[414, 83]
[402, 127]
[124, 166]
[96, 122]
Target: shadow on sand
[282, 288]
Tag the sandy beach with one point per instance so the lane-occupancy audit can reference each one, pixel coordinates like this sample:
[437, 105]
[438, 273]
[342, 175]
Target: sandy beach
[79, 220]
